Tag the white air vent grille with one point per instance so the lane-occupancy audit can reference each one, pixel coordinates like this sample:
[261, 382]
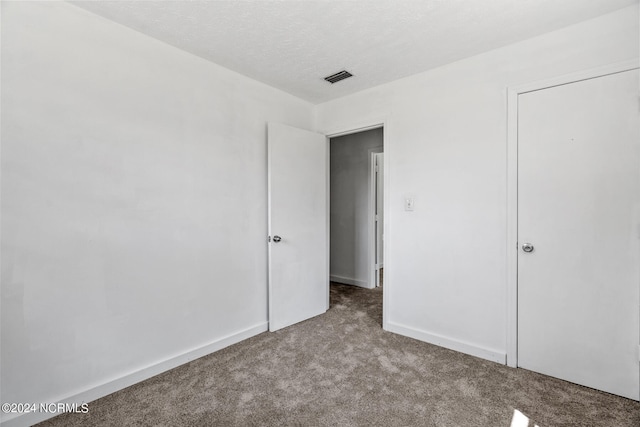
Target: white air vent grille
[341, 75]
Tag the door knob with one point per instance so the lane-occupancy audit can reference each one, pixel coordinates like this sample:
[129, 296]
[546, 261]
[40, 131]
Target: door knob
[527, 247]
[276, 239]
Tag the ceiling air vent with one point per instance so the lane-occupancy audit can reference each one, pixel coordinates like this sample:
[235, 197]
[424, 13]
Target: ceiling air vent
[341, 75]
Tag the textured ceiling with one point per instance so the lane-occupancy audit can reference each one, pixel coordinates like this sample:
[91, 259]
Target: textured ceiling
[292, 45]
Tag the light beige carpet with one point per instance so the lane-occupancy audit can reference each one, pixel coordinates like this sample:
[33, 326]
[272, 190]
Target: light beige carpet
[342, 369]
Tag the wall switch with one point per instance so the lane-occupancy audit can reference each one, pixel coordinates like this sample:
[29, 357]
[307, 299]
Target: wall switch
[409, 204]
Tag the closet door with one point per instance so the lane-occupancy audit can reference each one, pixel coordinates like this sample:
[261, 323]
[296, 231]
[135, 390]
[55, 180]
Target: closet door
[579, 231]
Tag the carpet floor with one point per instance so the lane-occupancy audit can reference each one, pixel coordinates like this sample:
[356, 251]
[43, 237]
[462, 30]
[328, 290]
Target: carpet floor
[342, 369]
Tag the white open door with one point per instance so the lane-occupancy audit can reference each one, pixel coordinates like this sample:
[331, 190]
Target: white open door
[298, 225]
[578, 232]
[377, 204]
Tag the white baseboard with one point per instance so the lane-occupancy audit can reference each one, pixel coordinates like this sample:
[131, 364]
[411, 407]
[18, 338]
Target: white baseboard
[127, 380]
[450, 343]
[349, 281]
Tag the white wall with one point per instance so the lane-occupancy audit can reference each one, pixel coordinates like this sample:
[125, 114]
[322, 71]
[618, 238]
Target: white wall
[350, 182]
[133, 203]
[445, 144]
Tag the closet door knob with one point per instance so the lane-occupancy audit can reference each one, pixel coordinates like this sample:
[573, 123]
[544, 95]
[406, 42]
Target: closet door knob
[527, 247]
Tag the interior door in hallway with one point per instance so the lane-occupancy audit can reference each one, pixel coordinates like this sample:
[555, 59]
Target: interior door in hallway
[298, 225]
[578, 232]
[379, 216]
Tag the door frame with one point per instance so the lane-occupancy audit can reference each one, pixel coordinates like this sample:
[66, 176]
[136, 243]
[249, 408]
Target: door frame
[371, 220]
[512, 185]
[383, 123]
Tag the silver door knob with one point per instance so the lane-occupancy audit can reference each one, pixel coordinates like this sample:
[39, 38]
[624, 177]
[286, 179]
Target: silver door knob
[527, 247]
[277, 238]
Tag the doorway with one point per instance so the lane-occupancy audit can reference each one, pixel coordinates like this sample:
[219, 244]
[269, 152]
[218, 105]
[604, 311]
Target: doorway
[298, 223]
[574, 194]
[356, 208]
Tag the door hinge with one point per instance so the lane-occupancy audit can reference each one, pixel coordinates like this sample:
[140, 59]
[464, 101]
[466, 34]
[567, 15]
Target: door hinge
[268, 238]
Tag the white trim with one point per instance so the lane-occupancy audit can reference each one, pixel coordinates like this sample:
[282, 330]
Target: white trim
[512, 185]
[618, 67]
[386, 225]
[101, 390]
[328, 221]
[512, 228]
[450, 343]
[349, 281]
[356, 128]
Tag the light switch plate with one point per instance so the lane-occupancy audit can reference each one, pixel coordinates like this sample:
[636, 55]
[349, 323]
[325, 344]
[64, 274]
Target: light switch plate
[409, 204]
